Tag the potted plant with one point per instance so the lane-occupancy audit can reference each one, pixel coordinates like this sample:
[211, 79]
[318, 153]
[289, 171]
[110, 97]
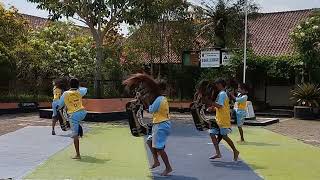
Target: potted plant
[307, 97]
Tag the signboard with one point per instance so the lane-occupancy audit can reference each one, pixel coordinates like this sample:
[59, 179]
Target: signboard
[210, 58]
[226, 57]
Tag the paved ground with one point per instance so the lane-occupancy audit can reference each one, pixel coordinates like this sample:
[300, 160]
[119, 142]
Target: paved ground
[25, 149]
[188, 149]
[306, 131]
[13, 122]
[189, 152]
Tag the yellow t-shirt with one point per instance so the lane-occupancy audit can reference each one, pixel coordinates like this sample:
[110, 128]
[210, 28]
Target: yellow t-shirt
[160, 110]
[223, 114]
[73, 101]
[57, 92]
[242, 102]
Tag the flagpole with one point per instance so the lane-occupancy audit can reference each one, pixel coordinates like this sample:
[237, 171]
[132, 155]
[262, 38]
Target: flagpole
[245, 43]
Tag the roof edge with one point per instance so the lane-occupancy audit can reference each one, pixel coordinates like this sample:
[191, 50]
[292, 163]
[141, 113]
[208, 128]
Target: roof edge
[291, 11]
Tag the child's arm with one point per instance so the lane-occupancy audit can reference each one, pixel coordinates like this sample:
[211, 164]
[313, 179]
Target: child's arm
[61, 101]
[220, 101]
[232, 95]
[83, 91]
[154, 107]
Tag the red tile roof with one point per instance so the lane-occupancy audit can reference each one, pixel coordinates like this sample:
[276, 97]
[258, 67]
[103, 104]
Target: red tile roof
[268, 35]
[269, 32]
[35, 22]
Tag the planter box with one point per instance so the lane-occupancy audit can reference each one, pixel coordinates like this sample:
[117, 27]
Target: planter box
[304, 112]
[119, 105]
[25, 107]
[106, 105]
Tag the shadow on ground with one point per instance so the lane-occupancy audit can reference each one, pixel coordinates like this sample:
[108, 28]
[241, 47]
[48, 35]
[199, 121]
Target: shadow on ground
[174, 177]
[257, 144]
[93, 160]
[231, 165]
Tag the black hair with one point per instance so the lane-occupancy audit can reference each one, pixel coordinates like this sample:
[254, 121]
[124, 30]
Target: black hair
[61, 83]
[57, 83]
[74, 83]
[220, 81]
[162, 85]
[244, 86]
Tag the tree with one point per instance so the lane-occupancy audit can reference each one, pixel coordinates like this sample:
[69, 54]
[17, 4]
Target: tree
[103, 18]
[12, 32]
[170, 34]
[306, 38]
[222, 22]
[60, 49]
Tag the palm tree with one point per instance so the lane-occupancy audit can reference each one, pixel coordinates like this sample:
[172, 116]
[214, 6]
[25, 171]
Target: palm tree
[223, 22]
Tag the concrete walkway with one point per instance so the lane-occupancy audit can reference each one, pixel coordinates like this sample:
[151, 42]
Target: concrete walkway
[23, 150]
[189, 152]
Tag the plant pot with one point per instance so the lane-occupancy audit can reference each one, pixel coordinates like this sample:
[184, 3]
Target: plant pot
[304, 112]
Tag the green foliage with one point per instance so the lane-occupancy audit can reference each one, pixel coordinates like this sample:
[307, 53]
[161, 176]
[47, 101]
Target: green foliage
[7, 63]
[222, 22]
[103, 17]
[57, 50]
[12, 27]
[307, 41]
[24, 98]
[306, 95]
[152, 11]
[12, 33]
[264, 67]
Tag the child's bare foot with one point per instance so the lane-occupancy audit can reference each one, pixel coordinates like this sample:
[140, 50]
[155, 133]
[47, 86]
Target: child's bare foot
[217, 156]
[156, 164]
[236, 155]
[166, 172]
[77, 157]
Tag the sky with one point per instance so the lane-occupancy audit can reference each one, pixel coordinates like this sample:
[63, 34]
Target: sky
[265, 6]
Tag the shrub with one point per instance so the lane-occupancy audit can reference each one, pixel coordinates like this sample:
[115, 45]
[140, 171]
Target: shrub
[24, 98]
[306, 95]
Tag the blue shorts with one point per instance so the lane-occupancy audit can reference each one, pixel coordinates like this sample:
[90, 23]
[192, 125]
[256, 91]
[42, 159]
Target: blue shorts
[220, 131]
[240, 117]
[75, 119]
[55, 105]
[160, 133]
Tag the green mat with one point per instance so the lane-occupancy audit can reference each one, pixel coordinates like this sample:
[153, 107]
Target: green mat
[277, 157]
[108, 152]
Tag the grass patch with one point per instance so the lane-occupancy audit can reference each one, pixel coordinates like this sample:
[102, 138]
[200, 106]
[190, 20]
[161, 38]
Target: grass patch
[108, 152]
[277, 157]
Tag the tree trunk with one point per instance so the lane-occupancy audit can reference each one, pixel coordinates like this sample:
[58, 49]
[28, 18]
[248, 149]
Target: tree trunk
[98, 64]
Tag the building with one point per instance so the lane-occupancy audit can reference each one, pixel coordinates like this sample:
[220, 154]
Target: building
[269, 35]
[269, 32]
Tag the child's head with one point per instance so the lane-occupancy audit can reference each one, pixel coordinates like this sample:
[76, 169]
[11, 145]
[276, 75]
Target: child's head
[162, 86]
[220, 84]
[243, 88]
[57, 83]
[74, 83]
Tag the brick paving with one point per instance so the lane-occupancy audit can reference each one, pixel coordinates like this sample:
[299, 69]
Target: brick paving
[13, 122]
